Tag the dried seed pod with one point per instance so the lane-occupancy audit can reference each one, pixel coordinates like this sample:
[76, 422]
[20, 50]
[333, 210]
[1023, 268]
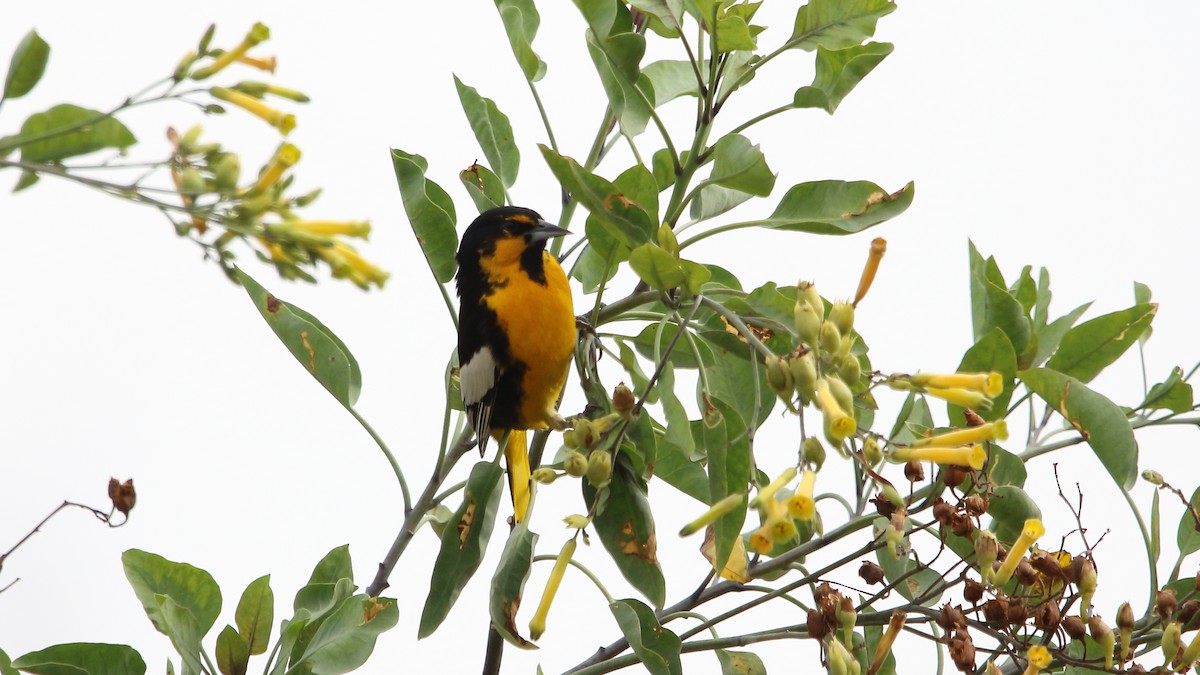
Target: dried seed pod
[1025, 573]
[975, 505]
[871, 572]
[995, 611]
[914, 471]
[961, 525]
[1018, 614]
[1165, 603]
[884, 506]
[951, 617]
[962, 651]
[1047, 616]
[972, 591]
[943, 511]
[817, 626]
[1074, 627]
[954, 475]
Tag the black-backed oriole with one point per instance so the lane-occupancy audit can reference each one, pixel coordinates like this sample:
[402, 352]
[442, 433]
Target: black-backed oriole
[516, 333]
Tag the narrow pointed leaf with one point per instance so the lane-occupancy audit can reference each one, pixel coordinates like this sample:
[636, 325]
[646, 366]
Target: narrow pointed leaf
[1187, 535]
[1101, 422]
[508, 584]
[255, 614]
[624, 219]
[521, 20]
[657, 647]
[837, 24]
[1050, 336]
[836, 207]
[1093, 345]
[233, 652]
[463, 545]
[1171, 394]
[728, 449]
[430, 213]
[318, 350]
[82, 658]
[483, 186]
[993, 352]
[625, 527]
[838, 72]
[27, 65]
[493, 132]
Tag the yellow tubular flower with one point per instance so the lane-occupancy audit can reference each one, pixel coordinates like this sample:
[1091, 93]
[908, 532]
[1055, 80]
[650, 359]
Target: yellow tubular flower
[968, 455]
[258, 33]
[841, 424]
[712, 514]
[537, 625]
[761, 540]
[769, 491]
[989, 384]
[992, 431]
[895, 625]
[1038, 657]
[346, 262]
[801, 505]
[967, 398]
[878, 248]
[1032, 531]
[284, 122]
[330, 228]
[265, 63]
[1190, 654]
[286, 156]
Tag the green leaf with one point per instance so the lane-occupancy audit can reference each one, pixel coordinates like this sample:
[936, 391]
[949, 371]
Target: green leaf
[7, 669]
[1187, 535]
[27, 180]
[617, 57]
[837, 24]
[1093, 345]
[181, 625]
[739, 165]
[727, 446]
[1010, 507]
[740, 663]
[993, 352]
[289, 635]
[1141, 293]
[317, 349]
[695, 276]
[913, 421]
[681, 471]
[671, 79]
[625, 220]
[657, 647]
[1100, 421]
[1049, 337]
[679, 427]
[838, 72]
[463, 546]
[78, 658]
[1155, 529]
[1025, 290]
[335, 566]
[521, 22]
[493, 132]
[233, 652]
[1003, 311]
[1005, 468]
[733, 34]
[27, 66]
[255, 614]
[69, 131]
[1172, 394]
[713, 200]
[914, 584]
[730, 370]
[508, 584]
[669, 12]
[430, 213]
[661, 166]
[483, 186]
[1041, 305]
[625, 528]
[656, 267]
[319, 597]
[836, 207]
[347, 637]
[189, 587]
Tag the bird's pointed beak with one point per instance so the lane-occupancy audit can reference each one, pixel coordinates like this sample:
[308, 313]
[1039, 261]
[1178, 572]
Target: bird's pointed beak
[546, 230]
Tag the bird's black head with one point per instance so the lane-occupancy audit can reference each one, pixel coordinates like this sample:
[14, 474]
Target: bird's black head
[504, 236]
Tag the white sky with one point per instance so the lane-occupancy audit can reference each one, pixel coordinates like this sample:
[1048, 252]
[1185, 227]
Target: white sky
[1058, 134]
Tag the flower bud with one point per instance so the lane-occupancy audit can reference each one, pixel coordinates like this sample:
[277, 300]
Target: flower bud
[191, 183]
[874, 256]
[1152, 477]
[1125, 621]
[986, 550]
[1171, 642]
[847, 618]
[808, 323]
[586, 435]
[714, 512]
[1087, 587]
[808, 291]
[544, 475]
[189, 140]
[871, 451]
[537, 625]
[1104, 636]
[842, 316]
[804, 375]
[577, 521]
[226, 171]
[575, 463]
[768, 492]
[813, 453]
[850, 370]
[829, 338]
[184, 65]
[623, 400]
[779, 377]
[599, 469]
[841, 391]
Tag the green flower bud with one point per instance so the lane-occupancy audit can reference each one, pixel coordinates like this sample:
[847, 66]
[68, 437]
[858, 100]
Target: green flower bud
[1152, 477]
[808, 323]
[544, 475]
[226, 171]
[779, 376]
[1171, 642]
[830, 338]
[842, 316]
[1125, 620]
[813, 453]
[987, 549]
[808, 291]
[575, 463]
[850, 370]
[187, 142]
[1104, 636]
[804, 375]
[191, 183]
[599, 469]
[871, 451]
[1087, 587]
[841, 392]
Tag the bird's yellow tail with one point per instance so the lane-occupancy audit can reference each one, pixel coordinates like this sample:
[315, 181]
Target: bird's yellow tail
[516, 454]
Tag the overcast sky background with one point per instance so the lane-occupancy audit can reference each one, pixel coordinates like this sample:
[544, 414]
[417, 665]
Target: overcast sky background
[1054, 134]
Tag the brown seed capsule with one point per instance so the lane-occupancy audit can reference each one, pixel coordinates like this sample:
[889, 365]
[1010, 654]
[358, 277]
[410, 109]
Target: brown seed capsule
[975, 505]
[123, 496]
[883, 505]
[1047, 616]
[817, 626]
[972, 591]
[996, 612]
[1017, 612]
[961, 525]
[953, 475]
[822, 591]
[871, 572]
[1074, 627]
[1188, 612]
[972, 418]
[914, 471]
[622, 399]
[1164, 603]
[1048, 565]
[962, 651]
[1135, 668]
[943, 512]
[1025, 573]
[951, 617]
[829, 607]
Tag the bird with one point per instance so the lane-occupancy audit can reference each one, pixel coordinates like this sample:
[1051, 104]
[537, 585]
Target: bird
[516, 334]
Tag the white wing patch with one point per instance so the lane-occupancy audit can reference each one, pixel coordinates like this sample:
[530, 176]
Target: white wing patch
[478, 376]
